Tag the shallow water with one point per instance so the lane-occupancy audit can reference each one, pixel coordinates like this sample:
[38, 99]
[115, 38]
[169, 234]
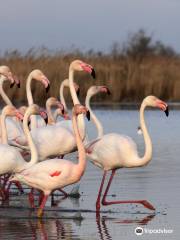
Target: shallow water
[158, 182]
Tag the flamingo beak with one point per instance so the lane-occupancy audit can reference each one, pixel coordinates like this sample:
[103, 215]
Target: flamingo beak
[47, 88]
[163, 106]
[12, 84]
[78, 92]
[44, 115]
[93, 73]
[45, 82]
[167, 111]
[106, 90]
[88, 68]
[66, 116]
[88, 115]
[19, 115]
[61, 107]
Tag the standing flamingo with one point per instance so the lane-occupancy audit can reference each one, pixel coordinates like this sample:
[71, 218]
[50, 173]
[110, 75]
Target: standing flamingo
[56, 173]
[11, 160]
[113, 151]
[50, 140]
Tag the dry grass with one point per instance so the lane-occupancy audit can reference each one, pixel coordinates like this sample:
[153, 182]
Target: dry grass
[128, 79]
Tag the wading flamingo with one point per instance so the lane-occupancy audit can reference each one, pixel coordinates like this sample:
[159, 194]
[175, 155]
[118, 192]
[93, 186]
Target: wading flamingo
[113, 151]
[11, 160]
[56, 173]
[50, 140]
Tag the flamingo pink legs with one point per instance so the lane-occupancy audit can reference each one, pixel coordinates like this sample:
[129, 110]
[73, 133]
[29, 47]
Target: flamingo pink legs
[40, 210]
[31, 196]
[145, 203]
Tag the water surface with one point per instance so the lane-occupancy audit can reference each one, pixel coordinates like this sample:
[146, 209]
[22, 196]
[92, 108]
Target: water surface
[158, 182]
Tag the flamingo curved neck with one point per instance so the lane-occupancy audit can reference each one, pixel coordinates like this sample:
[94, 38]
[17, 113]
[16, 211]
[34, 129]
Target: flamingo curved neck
[80, 118]
[81, 165]
[148, 144]
[34, 154]
[30, 100]
[3, 94]
[51, 119]
[65, 83]
[95, 120]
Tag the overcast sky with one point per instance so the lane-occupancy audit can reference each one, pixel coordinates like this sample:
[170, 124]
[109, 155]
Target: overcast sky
[86, 24]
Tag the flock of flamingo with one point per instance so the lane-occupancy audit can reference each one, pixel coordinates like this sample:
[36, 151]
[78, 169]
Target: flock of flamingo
[32, 148]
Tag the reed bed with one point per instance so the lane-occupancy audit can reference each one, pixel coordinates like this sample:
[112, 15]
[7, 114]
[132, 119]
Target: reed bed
[129, 75]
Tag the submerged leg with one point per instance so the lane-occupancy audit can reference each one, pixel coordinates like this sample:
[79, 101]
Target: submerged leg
[2, 194]
[145, 203]
[41, 208]
[31, 198]
[18, 185]
[98, 205]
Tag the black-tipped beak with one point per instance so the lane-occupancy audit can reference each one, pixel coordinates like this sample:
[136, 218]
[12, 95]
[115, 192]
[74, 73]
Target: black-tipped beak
[48, 87]
[63, 111]
[88, 115]
[29, 122]
[108, 91]
[12, 84]
[78, 92]
[93, 74]
[167, 111]
[46, 120]
[19, 85]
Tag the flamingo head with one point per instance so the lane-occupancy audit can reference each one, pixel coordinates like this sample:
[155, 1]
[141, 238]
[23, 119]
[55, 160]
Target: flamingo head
[39, 76]
[80, 109]
[34, 109]
[22, 109]
[96, 89]
[11, 111]
[78, 65]
[52, 101]
[6, 72]
[153, 101]
[63, 114]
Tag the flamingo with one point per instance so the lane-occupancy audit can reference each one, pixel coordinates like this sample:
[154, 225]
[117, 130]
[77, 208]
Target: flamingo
[56, 173]
[6, 74]
[13, 126]
[11, 160]
[50, 140]
[113, 151]
[65, 83]
[8, 154]
[93, 90]
[37, 75]
[52, 101]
